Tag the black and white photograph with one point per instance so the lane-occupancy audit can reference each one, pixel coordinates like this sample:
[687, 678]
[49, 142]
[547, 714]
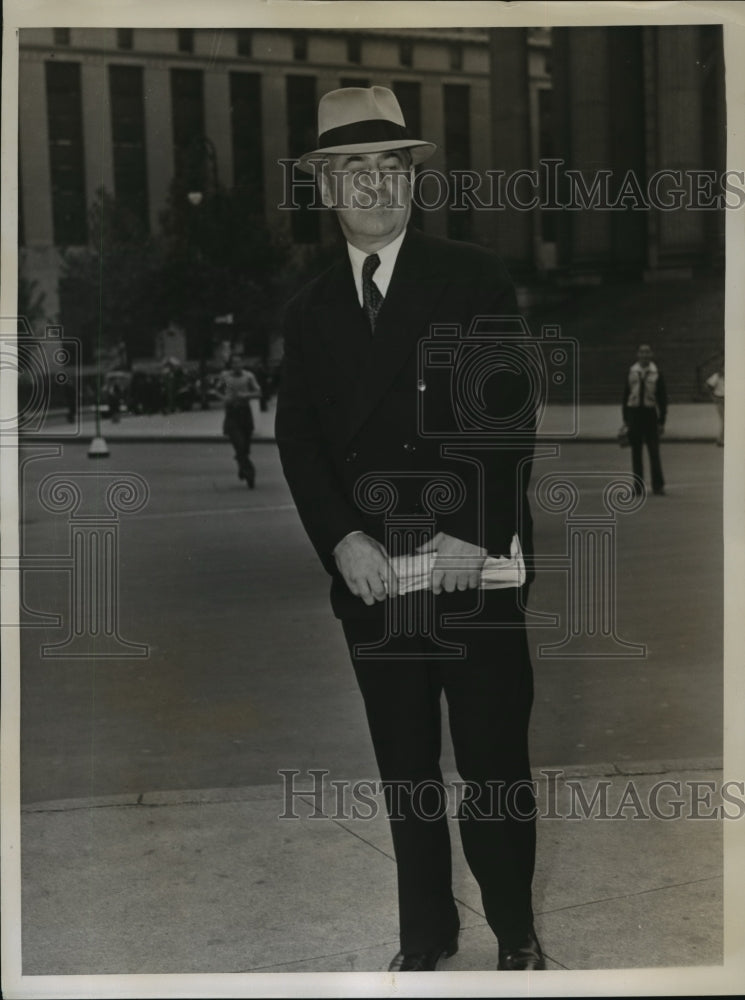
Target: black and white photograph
[372, 525]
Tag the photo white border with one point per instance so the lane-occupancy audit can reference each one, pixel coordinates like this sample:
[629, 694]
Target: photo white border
[728, 979]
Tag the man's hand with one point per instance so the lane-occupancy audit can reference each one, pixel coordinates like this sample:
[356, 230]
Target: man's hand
[366, 568]
[458, 564]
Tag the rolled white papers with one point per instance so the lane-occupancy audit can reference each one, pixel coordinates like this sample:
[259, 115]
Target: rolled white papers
[415, 572]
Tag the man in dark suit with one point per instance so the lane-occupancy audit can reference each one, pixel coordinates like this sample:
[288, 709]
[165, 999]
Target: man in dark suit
[371, 446]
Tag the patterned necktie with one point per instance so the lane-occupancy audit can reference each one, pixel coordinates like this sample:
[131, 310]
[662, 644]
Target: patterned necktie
[371, 296]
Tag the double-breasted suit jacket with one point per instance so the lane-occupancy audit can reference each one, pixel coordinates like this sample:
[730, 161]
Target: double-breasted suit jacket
[354, 405]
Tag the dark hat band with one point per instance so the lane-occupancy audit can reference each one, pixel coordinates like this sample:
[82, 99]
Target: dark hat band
[371, 130]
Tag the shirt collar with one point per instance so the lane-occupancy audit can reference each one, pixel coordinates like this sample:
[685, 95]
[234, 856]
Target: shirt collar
[384, 270]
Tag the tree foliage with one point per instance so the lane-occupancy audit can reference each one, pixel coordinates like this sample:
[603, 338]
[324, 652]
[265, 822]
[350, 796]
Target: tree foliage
[208, 259]
[31, 303]
[106, 288]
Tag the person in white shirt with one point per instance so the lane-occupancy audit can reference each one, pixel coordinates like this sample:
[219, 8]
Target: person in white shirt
[644, 410]
[239, 387]
[715, 385]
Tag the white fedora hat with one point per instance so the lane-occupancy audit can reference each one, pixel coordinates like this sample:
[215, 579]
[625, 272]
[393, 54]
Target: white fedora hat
[363, 120]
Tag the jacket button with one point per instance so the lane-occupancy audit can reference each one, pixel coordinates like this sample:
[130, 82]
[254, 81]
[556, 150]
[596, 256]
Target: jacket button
[351, 456]
[408, 446]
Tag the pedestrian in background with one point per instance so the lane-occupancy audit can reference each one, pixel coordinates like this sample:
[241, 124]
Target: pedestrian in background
[114, 401]
[715, 383]
[239, 387]
[644, 412]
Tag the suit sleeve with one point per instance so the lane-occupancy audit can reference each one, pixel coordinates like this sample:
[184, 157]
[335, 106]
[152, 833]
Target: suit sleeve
[323, 509]
[504, 470]
[625, 400]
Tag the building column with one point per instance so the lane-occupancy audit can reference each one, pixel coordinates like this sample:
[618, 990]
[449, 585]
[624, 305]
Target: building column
[97, 139]
[274, 110]
[36, 183]
[481, 154]
[510, 138]
[217, 115]
[158, 140]
[38, 257]
[434, 221]
[681, 233]
[589, 140]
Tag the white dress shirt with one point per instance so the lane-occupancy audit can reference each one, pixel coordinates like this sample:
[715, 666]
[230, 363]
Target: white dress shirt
[384, 270]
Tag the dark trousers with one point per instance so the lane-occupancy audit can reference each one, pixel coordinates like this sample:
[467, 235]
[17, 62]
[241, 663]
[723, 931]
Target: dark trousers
[489, 696]
[642, 424]
[239, 426]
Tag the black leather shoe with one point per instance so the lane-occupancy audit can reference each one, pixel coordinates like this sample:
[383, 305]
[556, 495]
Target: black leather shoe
[527, 957]
[425, 961]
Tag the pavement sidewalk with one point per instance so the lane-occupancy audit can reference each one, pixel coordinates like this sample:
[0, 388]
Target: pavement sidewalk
[685, 422]
[259, 879]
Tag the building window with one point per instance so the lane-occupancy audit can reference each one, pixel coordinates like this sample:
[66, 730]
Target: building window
[300, 45]
[354, 81]
[456, 56]
[246, 124]
[245, 42]
[21, 221]
[61, 36]
[65, 126]
[354, 49]
[410, 98]
[301, 138]
[406, 52]
[124, 38]
[187, 108]
[186, 39]
[128, 139]
[546, 151]
[409, 95]
[456, 98]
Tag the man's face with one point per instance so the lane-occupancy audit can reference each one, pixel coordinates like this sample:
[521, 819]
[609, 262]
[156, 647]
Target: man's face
[644, 355]
[371, 195]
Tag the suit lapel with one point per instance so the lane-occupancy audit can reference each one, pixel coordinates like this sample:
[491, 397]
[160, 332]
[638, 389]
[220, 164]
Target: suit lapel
[342, 327]
[416, 285]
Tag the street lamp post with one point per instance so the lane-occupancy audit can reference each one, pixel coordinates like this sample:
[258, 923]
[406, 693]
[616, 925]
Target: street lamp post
[201, 152]
[98, 447]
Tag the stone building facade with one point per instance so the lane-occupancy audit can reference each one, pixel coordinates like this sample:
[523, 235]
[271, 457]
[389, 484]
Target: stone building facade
[118, 109]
